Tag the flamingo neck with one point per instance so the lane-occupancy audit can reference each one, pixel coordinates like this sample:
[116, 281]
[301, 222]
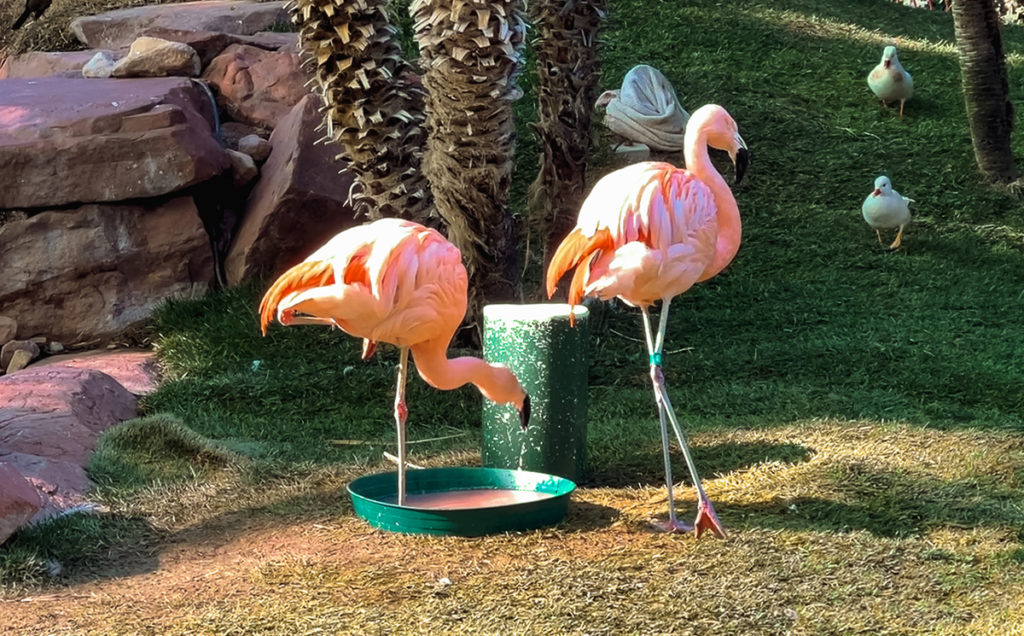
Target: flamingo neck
[495, 382]
[698, 163]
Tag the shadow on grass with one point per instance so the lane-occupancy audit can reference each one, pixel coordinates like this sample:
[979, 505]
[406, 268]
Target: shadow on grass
[886, 504]
[78, 548]
[712, 460]
[584, 516]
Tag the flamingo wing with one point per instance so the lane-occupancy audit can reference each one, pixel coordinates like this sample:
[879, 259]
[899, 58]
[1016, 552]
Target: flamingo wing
[645, 232]
[359, 280]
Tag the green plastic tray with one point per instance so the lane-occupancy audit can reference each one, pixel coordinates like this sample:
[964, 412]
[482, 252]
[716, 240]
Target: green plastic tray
[462, 501]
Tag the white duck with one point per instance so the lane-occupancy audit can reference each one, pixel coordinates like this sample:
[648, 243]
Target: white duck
[885, 209]
[889, 80]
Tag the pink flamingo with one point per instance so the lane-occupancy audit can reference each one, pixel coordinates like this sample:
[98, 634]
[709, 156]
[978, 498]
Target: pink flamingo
[648, 232]
[399, 282]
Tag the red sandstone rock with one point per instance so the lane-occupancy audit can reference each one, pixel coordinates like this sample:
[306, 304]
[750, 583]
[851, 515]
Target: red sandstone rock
[19, 500]
[117, 29]
[85, 140]
[46, 64]
[299, 201]
[61, 485]
[135, 369]
[256, 86]
[58, 412]
[90, 272]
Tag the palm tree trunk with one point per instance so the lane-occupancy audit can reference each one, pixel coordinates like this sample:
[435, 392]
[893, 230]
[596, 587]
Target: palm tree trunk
[567, 74]
[986, 89]
[374, 104]
[472, 54]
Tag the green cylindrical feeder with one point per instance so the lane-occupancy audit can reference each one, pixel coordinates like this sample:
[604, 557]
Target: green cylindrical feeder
[550, 359]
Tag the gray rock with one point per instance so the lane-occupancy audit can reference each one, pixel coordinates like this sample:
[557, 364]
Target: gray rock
[255, 146]
[99, 66]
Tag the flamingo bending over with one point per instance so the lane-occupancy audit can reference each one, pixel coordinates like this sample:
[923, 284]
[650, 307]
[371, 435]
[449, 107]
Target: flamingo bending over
[648, 232]
[399, 282]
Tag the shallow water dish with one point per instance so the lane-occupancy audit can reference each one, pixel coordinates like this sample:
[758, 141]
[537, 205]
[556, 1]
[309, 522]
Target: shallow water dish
[462, 501]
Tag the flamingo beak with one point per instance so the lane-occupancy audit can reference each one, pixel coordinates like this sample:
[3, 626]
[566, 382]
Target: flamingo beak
[524, 413]
[741, 159]
[887, 63]
[876, 193]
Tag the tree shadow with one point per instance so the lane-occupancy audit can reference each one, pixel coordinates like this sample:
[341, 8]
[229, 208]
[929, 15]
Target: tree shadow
[885, 503]
[80, 547]
[647, 467]
[584, 515]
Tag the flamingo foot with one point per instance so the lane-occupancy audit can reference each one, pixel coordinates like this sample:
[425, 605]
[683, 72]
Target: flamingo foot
[707, 520]
[673, 526]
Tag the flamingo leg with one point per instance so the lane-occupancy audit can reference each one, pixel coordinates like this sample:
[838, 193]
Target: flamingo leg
[899, 238]
[901, 107]
[878, 233]
[706, 518]
[673, 524]
[401, 413]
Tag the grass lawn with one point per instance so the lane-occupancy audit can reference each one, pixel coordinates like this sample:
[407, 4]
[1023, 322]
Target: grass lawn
[858, 414]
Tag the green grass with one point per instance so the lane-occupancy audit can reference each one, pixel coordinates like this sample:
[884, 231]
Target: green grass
[814, 326]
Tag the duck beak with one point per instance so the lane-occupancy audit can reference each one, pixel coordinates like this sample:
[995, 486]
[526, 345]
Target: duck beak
[524, 413]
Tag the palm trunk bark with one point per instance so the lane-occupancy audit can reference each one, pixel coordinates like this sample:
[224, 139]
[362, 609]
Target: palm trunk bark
[472, 54]
[567, 72]
[373, 103]
[986, 89]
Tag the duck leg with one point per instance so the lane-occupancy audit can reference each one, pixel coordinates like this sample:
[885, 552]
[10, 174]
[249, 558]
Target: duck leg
[899, 238]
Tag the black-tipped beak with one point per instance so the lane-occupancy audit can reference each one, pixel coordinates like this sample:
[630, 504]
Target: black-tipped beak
[524, 413]
[742, 163]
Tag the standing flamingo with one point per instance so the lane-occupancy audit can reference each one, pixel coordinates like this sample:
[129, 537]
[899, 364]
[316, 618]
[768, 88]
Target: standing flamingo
[399, 282]
[648, 232]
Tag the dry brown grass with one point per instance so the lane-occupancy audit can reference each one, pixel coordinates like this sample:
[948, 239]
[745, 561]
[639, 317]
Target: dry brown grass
[881, 529]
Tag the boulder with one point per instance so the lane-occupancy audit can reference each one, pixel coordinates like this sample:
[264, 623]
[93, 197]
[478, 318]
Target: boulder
[19, 500]
[135, 369]
[45, 64]
[58, 412]
[256, 86]
[210, 44]
[206, 44]
[87, 140]
[273, 40]
[8, 328]
[92, 271]
[154, 57]
[60, 485]
[19, 361]
[300, 200]
[243, 169]
[117, 29]
[8, 350]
